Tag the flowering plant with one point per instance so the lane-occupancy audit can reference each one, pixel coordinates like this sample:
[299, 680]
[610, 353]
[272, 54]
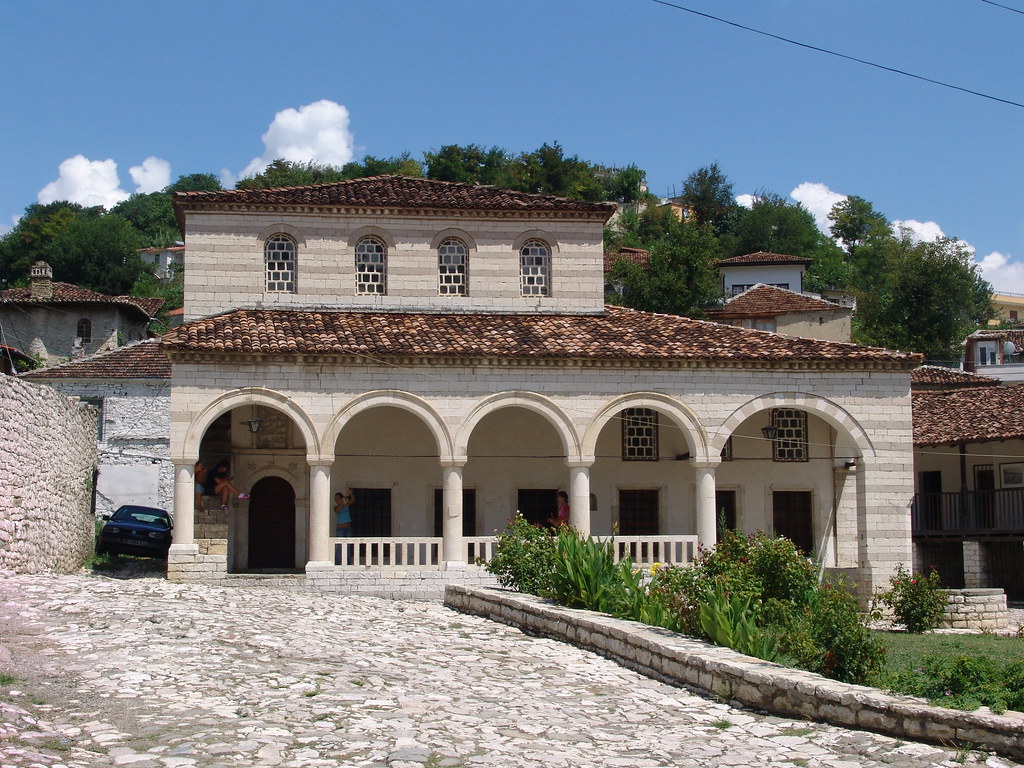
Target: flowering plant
[917, 601]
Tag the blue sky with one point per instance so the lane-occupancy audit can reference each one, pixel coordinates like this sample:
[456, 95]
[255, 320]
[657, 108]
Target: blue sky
[102, 99]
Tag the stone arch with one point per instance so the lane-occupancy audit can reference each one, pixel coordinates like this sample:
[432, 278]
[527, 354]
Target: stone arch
[395, 399]
[280, 228]
[830, 412]
[681, 416]
[458, 234]
[548, 238]
[248, 396]
[538, 404]
[371, 231]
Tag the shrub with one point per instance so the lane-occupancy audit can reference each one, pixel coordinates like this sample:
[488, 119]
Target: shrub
[964, 682]
[917, 601]
[728, 620]
[524, 558]
[585, 573]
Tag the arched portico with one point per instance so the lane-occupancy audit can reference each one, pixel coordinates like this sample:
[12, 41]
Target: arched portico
[397, 399]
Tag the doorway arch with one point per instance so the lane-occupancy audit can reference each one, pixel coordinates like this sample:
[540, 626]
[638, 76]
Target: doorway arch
[272, 525]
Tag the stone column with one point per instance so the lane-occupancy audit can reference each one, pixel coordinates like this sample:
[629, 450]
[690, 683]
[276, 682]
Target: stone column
[885, 488]
[707, 514]
[320, 528]
[453, 548]
[579, 497]
[184, 507]
[974, 565]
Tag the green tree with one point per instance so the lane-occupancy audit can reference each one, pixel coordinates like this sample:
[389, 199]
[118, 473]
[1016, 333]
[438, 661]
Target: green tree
[625, 185]
[29, 241]
[152, 216]
[708, 193]
[865, 235]
[195, 182]
[97, 252]
[774, 225]
[171, 291]
[287, 173]
[400, 165]
[926, 299]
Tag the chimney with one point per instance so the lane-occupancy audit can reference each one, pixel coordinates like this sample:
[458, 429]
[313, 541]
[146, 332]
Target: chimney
[42, 281]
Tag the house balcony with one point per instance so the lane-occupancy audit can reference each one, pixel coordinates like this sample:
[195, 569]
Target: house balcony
[977, 515]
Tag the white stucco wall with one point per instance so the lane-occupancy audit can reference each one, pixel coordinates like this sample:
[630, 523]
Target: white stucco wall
[769, 274]
[828, 326]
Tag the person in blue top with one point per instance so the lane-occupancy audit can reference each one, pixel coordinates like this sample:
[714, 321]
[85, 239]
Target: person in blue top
[343, 513]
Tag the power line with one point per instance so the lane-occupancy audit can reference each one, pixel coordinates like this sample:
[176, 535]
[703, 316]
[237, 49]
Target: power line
[841, 55]
[1005, 7]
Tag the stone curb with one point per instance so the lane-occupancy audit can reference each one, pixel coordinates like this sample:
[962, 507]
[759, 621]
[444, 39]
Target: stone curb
[743, 680]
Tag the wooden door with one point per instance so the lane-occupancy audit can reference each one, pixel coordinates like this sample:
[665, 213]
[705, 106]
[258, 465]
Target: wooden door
[272, 524]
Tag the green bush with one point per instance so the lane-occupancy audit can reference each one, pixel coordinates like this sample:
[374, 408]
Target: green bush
[728, 620]
[585, 574]
[964, 682]
[524, 558]
[917, 601]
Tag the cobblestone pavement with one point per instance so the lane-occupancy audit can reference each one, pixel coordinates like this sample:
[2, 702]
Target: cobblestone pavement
[145, 673]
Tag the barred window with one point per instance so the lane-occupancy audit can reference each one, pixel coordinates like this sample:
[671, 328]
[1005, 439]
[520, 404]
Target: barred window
[279, 254]
[451, 268]
[535, 269]
[371, 266]
[639, 434]
[84, 330]
[790, 443]
[727, 450]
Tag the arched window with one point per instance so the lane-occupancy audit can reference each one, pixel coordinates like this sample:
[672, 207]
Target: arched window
[84, 330]
[535, 269]
[371, 266]
[279, 253]
[451, 268]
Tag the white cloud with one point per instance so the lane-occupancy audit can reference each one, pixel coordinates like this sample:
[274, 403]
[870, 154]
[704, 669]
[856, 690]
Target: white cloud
[15, 218]
[86, 182]
[1003, 273]
[317, 132]
[747, 201]
[922, 231]
[818, 199]
[227, 178]
[153, 175]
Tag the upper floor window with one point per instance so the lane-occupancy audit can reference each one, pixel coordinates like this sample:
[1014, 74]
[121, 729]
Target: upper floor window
[279, 254]
[371, 266]
[535, 269]
[451, 268]
[639, 434]
[790, 442]
[84, 330]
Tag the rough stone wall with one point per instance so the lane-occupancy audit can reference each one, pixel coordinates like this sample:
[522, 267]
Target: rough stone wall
[134, 451]
[983, 609]
[47, 458]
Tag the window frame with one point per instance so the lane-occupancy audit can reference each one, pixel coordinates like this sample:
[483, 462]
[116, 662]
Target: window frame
[84, 323]
[541, 280]
[272, 255]
[635, 445]
[791, 440]
[449, 269]
[362, 267]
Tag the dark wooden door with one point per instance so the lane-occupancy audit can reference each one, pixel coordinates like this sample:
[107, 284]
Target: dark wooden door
[537, 504]
[791, 517]
[468, 512]
[272, 524]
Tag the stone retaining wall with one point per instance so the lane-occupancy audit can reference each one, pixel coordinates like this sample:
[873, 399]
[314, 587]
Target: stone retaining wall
[743, 680]
[395, 583]
[47, 461]
[983, 609]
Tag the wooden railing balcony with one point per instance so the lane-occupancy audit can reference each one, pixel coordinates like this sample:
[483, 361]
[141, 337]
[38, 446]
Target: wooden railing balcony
[969, 514]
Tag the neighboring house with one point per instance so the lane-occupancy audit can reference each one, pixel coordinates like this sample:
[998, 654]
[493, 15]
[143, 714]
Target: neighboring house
[997, 353]
[968, 512]
[444, 350]
[741, 273]
[53, 321]
[1009, 308]
[130, 386]
[768, 308]
[11, 360]
[633, 255]
[165, 261]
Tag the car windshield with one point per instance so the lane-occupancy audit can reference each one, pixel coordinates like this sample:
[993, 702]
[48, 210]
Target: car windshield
[141, 515]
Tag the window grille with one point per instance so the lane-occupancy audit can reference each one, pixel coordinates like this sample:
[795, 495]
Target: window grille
[451, 268]
[727, 450]
[639, 434]
[84, 330]
[790, 443]
[535, 269]
[371, 267]
[638, 512]
[279, 253]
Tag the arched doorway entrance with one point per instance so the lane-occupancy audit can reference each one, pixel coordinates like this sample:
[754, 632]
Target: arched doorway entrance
[272, 524]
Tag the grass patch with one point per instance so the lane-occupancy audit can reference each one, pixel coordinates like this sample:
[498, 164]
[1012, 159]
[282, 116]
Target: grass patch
[6, 679]
[722, 724]
[957, 671]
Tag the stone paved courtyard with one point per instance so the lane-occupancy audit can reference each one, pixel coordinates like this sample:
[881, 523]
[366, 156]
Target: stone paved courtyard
[146, 673]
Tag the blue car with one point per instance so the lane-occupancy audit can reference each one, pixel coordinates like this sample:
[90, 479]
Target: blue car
[135, 530]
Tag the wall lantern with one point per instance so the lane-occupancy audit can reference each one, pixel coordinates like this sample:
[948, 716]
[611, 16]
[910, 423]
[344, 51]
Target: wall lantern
[770, 432]
[254, 424]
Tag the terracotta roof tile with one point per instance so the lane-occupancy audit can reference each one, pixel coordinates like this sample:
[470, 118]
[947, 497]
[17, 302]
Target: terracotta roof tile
[763, 257]
[767, 300]
[618, 334]
[65, 293]
[141, 360]
[940, 377]
[395, 192]
[1016, 336]
[635, 255]
[972, 415]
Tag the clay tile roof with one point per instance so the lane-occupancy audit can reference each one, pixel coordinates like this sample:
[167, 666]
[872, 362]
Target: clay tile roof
[940, 377]
[767, 300]
[635, 255]
[141, 360]
[763, 257]
[13, 353]
[65, 293]
[618, 334]
[972, 415]
[395, 192]
[1016, 336]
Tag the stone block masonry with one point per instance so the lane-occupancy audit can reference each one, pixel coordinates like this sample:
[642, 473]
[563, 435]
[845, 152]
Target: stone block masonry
[47, 461]
[743, 680]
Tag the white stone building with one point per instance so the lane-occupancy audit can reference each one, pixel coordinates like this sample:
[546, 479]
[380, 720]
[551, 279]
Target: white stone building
[741, 273]
[443, 350]
[130, 387]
